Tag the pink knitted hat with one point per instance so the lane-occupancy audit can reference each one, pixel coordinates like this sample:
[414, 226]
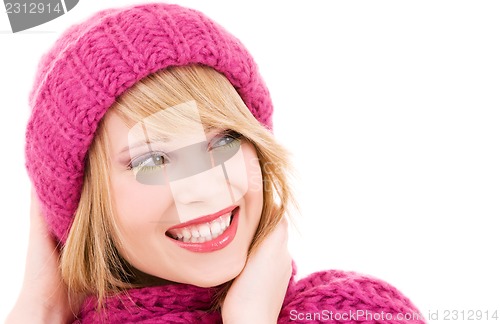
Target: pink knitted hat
[93, 63]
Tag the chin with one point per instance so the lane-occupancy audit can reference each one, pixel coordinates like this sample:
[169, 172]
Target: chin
[213, 279]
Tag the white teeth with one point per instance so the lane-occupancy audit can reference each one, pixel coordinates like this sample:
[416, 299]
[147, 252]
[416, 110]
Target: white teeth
[202, 232]
[186, 233]
[215, 228]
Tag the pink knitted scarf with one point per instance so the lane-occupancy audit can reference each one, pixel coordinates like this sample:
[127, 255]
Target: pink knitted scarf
[323, 297]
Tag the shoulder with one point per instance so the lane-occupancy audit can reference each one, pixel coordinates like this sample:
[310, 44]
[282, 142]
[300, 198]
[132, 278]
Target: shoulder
[336, 295]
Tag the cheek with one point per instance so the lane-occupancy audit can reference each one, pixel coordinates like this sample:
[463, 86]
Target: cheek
[253, 170]
[254, 198]
[242, 172]
[137, 204]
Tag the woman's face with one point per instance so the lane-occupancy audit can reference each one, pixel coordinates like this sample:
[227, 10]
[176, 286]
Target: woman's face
[186, 207]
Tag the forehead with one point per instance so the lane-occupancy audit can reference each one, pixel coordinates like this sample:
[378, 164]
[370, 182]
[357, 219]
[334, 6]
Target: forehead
[179, 126]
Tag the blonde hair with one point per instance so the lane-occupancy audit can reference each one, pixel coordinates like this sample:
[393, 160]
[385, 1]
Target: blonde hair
[90, 261]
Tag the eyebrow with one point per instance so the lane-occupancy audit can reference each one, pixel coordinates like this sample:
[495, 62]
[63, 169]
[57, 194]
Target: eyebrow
[148, 142]
[142, 143]
[139, 144]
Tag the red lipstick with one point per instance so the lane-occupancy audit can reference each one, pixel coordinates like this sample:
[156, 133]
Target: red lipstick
[199, 229]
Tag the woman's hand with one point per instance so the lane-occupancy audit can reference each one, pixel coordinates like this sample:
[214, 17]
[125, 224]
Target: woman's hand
[257, 294]
[44, 298]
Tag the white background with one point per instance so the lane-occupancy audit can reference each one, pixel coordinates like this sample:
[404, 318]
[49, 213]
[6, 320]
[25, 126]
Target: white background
[392, 112]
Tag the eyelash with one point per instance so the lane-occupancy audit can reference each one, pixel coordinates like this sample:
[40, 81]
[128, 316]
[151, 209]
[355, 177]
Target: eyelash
[150, 155]
[235, 136]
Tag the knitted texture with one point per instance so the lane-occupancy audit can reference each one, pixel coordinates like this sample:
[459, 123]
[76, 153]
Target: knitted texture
[354, 296]
[93, 63]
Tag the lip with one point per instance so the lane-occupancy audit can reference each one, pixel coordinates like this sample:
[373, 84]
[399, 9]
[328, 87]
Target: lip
[217, 243]
[204, 219]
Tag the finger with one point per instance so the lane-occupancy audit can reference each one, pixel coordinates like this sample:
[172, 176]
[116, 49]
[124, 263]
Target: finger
[279, 233]
[35, 205]
[42, 250]
[38, 224]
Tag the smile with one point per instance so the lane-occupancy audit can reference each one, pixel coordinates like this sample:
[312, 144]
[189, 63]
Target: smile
[207, 233]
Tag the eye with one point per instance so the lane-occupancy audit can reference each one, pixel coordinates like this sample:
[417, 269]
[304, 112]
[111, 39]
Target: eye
[225, 140]
[149, 161]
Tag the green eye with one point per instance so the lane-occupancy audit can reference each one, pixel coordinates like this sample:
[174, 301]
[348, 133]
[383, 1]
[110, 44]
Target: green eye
[150, 161]
[225, 140]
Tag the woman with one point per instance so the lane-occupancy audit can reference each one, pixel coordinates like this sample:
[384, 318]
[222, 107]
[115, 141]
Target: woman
[150, 150]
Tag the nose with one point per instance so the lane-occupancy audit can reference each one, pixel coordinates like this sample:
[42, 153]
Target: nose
[201, 194]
